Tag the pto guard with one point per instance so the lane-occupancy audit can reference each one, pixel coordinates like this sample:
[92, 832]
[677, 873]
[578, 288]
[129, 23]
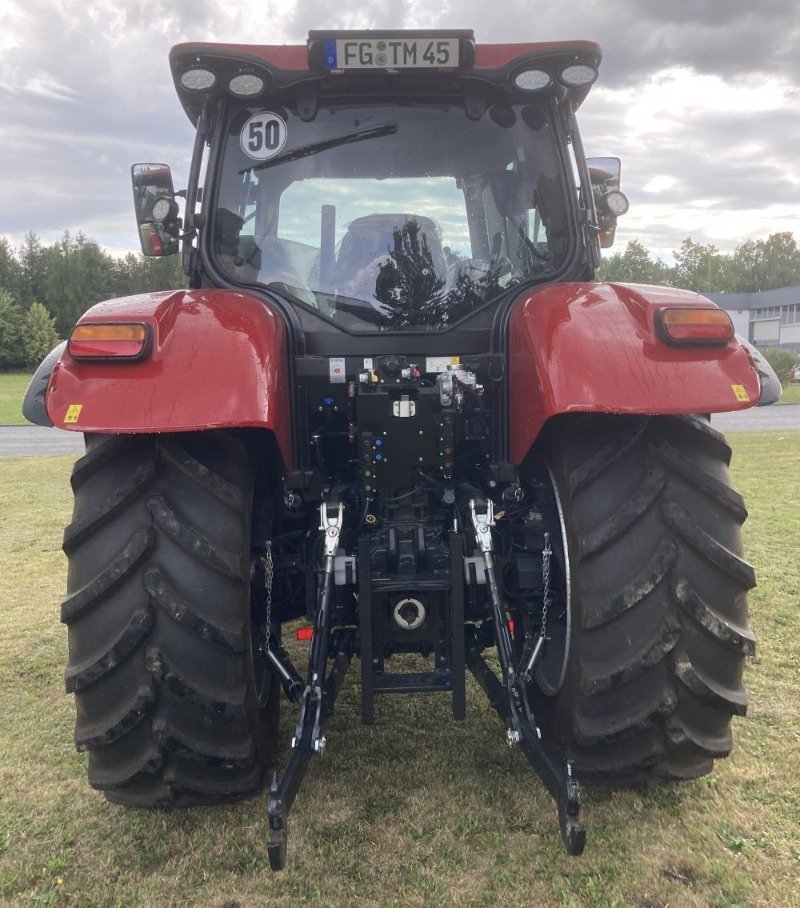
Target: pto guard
[593, 348]
[218, 360]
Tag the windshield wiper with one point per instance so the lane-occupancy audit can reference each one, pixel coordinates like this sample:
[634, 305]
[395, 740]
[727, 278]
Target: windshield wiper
[371, 132]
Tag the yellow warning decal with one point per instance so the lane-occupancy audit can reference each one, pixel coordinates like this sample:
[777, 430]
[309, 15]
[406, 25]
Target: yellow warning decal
[740, 393]
[455, 360]
[73, 412]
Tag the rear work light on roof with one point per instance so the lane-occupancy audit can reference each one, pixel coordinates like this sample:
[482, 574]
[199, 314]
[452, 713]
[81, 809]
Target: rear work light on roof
[532, 79]
[694, 326]
[578, 75]
[246, 85]
[110, 342]
[198, 79]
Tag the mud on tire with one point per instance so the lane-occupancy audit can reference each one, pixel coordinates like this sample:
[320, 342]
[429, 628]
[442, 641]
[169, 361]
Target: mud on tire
[659, 611]
[158, 617]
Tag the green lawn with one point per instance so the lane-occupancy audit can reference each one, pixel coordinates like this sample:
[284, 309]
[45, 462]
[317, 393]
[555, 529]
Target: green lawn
[416, 810]
[791, 394]
[13, 386]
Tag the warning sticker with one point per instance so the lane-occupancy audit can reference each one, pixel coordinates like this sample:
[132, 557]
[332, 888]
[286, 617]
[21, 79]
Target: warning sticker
[263, 136]
[336, 370]
[440, 363]
[73, 412]
[740, 393]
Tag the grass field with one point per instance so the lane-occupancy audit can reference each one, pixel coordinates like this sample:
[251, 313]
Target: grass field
[416, 810]
[791, 394]
[13, 386]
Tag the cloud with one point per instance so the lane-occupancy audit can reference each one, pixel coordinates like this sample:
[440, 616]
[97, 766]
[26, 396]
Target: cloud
[700, 98]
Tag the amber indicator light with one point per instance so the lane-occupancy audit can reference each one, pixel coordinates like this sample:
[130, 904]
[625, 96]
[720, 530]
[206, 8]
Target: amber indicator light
[694, 326]
[116, 341]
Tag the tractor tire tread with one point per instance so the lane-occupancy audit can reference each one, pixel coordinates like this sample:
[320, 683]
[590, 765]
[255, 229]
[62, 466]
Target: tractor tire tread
[659, 589]
[158, 615]
[671, 458]
[731, 700]
[96, 457]
[91, 737]
[89, 523]
[604, 458]
[74, 606]
[79, 675]
[740, 639]
[170, 601]
[600, 612]
[192, 540]
[636, 662]
[225, 492]
[714, 552]
[623, 520]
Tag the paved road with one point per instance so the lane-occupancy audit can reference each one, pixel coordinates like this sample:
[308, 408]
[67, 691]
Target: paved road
[785, 417]
[22, 441]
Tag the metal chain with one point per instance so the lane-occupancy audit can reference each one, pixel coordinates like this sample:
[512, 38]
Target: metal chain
[546, 553]
[269, 573]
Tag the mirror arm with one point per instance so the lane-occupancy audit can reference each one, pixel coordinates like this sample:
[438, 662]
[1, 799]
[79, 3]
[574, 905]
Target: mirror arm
[204, 127]
[190, 255]
[588, 218]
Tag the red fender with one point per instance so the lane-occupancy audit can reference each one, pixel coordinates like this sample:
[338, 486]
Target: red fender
[218, 360]
[593, 348]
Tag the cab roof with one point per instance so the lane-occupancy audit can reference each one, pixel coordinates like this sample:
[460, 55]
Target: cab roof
[288, 70]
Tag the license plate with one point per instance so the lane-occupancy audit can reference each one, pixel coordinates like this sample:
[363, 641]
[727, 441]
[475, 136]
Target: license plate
[391, 53]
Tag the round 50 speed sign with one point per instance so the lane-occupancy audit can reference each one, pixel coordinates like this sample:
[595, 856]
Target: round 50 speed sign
[263, 136]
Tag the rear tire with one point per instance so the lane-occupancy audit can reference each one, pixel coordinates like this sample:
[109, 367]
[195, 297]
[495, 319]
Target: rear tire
[159, 621]
[658, 596]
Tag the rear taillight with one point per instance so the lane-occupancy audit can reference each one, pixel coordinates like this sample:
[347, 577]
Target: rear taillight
[156, 246]
[304, 633]
[694, 326]
[114, 342]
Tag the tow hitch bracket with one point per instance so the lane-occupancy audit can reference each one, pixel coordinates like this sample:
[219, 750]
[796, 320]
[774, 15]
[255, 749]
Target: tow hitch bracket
[509, 697]
[318, 696]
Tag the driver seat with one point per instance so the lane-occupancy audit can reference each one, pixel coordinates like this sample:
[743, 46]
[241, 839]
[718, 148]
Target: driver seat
[370, 241]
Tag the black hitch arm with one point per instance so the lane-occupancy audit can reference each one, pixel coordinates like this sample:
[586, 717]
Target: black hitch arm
[556, 774]
[509, 698]
[319, 694]
[279, 659]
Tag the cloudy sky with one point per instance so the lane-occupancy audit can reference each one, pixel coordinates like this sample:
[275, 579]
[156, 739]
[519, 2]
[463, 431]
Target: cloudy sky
[700, 98]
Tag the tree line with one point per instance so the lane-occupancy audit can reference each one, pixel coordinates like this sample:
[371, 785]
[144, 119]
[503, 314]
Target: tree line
[755, 265]
[44, 289]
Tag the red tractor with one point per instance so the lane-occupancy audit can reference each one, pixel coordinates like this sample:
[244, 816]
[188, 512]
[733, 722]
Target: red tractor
[394, 403]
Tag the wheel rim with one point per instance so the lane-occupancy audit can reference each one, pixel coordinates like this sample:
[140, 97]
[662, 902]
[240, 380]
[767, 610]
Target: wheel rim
[552, 668]
[262, 676]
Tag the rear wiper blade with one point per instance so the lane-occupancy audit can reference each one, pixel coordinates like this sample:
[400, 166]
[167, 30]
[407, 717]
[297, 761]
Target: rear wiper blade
[371, 132]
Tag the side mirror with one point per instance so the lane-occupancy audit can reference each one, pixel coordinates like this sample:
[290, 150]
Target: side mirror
[156, 209]
[610, 203]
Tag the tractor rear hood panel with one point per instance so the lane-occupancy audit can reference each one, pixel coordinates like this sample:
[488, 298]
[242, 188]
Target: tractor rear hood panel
[218, 360]
[593, 348]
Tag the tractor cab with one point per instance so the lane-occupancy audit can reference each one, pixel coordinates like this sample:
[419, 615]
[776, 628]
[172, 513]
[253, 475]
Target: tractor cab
[390, 182]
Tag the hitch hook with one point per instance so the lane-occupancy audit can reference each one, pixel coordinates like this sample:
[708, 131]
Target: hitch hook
[317, 697]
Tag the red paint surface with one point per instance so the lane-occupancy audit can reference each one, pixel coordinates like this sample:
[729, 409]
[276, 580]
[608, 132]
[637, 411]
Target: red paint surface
[495, 56]
[593, 348]
[280, 56]
[295, 56]
[218, 360]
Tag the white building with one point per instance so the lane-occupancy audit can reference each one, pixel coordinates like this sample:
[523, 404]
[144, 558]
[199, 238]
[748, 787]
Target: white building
[769, 318]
